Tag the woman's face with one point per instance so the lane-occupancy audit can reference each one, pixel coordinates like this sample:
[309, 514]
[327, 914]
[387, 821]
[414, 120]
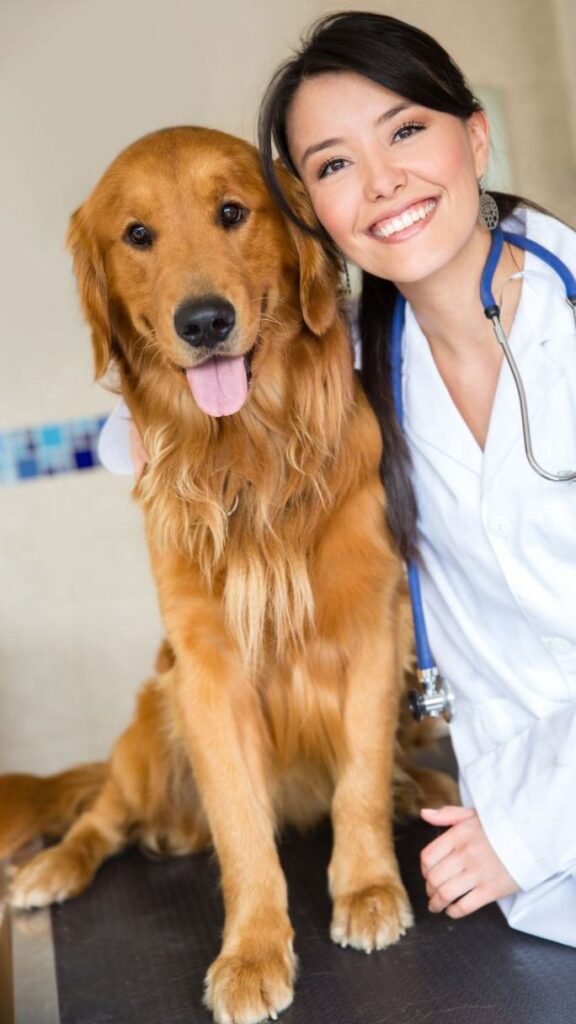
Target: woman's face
[393, 183]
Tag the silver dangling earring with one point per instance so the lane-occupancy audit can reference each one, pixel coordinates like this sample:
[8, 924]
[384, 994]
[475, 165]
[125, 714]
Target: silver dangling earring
[488, 212]
[345, 274]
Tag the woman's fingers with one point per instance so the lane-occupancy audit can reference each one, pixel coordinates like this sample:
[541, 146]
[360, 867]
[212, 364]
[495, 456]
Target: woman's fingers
[461, 869]
[443, 871]
[449, 891]
[446, 816]
[435, 852]
[478, 897]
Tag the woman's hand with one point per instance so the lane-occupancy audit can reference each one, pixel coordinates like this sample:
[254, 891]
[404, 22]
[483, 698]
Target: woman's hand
[138, 452]
[460, 868]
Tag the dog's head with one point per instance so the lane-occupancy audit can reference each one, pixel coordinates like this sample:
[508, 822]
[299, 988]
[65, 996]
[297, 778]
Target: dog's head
[181, 257]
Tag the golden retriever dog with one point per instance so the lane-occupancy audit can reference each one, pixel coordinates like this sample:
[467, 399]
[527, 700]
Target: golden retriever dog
[276, 695]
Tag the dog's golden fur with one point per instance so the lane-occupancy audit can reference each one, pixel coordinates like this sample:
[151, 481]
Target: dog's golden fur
[276, 698]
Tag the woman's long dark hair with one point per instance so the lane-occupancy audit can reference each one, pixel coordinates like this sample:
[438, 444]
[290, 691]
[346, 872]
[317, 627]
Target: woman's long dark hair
[408, 62]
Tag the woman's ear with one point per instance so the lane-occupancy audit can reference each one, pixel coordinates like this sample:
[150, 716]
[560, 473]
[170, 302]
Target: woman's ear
[479, 135]
[319, 274]
[91, 281]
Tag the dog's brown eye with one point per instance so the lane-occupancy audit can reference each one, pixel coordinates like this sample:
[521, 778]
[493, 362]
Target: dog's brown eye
[231, 214]
[139, 235]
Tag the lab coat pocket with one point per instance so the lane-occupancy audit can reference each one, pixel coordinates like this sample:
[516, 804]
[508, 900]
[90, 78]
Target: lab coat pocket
[499, 720]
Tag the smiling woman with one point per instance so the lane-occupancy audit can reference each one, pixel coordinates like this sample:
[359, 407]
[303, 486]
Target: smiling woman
[381, 127]
[386, 171]
[418, 143]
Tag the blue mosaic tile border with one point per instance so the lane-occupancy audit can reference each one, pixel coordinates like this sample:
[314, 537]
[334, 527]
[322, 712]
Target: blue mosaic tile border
[29, 453]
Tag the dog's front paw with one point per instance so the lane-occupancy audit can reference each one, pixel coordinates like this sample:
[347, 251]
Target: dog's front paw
[52, 876]
[371, 918]
[251, 986]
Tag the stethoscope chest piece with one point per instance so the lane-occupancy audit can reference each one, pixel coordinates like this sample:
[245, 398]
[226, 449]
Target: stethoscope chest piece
[435, 699]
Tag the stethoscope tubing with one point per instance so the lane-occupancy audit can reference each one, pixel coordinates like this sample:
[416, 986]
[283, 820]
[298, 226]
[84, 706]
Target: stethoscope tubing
[424, 656]
[492, 312]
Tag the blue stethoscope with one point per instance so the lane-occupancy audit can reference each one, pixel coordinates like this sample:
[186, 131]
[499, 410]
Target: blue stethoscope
[435, 698]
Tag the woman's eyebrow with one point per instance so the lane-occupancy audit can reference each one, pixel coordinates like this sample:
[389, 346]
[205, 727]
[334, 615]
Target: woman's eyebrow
[398, 109]
[317, 147]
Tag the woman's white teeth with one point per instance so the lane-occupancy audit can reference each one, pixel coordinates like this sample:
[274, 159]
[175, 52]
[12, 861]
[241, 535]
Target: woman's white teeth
[405, 220]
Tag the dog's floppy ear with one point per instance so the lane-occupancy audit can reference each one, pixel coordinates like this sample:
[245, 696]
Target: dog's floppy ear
[319, 276]
[91, 280]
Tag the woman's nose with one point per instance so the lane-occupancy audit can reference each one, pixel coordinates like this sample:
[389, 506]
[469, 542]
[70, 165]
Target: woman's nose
[382, 178]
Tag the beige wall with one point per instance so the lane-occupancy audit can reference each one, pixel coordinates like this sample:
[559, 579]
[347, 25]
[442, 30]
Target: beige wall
[565, 16]
[79, 79]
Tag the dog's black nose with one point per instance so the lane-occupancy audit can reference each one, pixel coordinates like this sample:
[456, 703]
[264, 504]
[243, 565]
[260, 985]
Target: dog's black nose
[204, 322]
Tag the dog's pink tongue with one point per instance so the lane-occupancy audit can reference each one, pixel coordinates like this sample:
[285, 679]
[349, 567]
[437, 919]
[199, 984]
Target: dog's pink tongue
[220, 385]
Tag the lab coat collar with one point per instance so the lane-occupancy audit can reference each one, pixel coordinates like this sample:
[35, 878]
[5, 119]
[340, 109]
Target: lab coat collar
[430, 415]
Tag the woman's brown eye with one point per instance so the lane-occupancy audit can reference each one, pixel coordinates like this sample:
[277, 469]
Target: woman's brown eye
[139, 235]
[232, 214]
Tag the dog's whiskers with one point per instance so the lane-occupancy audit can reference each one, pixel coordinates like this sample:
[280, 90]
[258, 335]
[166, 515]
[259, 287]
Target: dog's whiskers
[146, 338]
[266, 318]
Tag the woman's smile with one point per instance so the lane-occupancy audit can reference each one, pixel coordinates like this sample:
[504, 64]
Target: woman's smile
[405, 222]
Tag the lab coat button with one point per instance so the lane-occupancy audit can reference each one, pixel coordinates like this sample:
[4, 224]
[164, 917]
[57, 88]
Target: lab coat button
[498, 526]
[558, 645]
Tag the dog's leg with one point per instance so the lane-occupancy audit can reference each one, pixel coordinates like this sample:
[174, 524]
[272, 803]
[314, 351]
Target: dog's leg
[222, 726]
[65, 870]
[252, 978]
[371, 909]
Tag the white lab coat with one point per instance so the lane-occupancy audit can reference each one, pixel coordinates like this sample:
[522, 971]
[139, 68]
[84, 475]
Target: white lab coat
[498, 546]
